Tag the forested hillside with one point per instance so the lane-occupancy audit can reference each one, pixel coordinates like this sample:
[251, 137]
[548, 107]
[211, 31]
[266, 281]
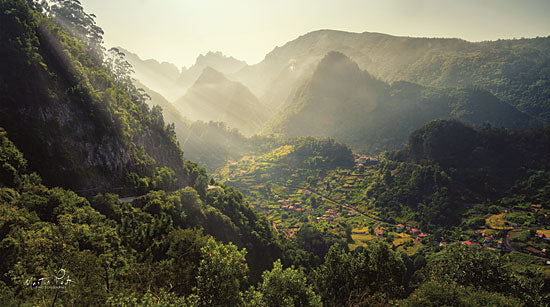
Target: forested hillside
[104, 245]
[516, 71]
[344, 102]
[99, 207]
[73, 111]
[447, 166]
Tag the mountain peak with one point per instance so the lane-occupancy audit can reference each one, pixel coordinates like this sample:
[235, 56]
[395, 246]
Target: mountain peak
[219, 60]
[210, 75]
[336, 73]
[337, 62]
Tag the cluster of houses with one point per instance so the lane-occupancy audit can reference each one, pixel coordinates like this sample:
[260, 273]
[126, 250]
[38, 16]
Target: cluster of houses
[288, 205]
[488, 241]
[352, 212]
[329, 216]
[414, 232]
[362, 161]
[411, 231]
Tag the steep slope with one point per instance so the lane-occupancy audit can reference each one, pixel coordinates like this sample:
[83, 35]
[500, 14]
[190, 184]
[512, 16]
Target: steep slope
[342, 101]
[210, 144]
[87, 129]
[213, 97]
[79, 125]
[516, 71]
[170, 113]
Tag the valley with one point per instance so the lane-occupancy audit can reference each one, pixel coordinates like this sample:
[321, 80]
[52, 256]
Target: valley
[341, 169]
[337, 201]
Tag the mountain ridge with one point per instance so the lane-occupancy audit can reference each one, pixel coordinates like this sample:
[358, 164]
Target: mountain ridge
[516, 70]
[352, 106]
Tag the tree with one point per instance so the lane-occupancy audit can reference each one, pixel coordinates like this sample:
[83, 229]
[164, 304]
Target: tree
[70, 15]
[434, 294]
[483, 269]
[334, 279]
[222, 272]
[286, 288]
[347, 278]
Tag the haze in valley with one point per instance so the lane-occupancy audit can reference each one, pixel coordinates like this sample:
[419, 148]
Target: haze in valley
[178, 31]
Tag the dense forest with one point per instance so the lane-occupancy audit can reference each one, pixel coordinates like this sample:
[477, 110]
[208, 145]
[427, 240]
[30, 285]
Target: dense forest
[98, 205]
[448, 165]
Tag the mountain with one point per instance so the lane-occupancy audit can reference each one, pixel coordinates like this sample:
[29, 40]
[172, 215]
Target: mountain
[210, 144]
[344, 102]
[160, 77]
[172, 83]
[216, 60]
[213, 97]
[80, 125]
[72, 124]
[516, 71]
[170, 113]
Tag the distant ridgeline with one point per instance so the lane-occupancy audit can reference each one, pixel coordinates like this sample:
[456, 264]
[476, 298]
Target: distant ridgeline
[516, 71]
[344, 102]
[368, 90]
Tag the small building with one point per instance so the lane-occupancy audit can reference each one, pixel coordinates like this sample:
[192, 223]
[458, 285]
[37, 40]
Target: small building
[400, 227]
[470, 243]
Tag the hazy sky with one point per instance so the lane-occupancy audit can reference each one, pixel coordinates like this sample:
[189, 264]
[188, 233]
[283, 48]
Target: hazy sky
[179, 30]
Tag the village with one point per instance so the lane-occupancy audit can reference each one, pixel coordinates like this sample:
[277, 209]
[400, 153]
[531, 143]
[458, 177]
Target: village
[335, 200]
